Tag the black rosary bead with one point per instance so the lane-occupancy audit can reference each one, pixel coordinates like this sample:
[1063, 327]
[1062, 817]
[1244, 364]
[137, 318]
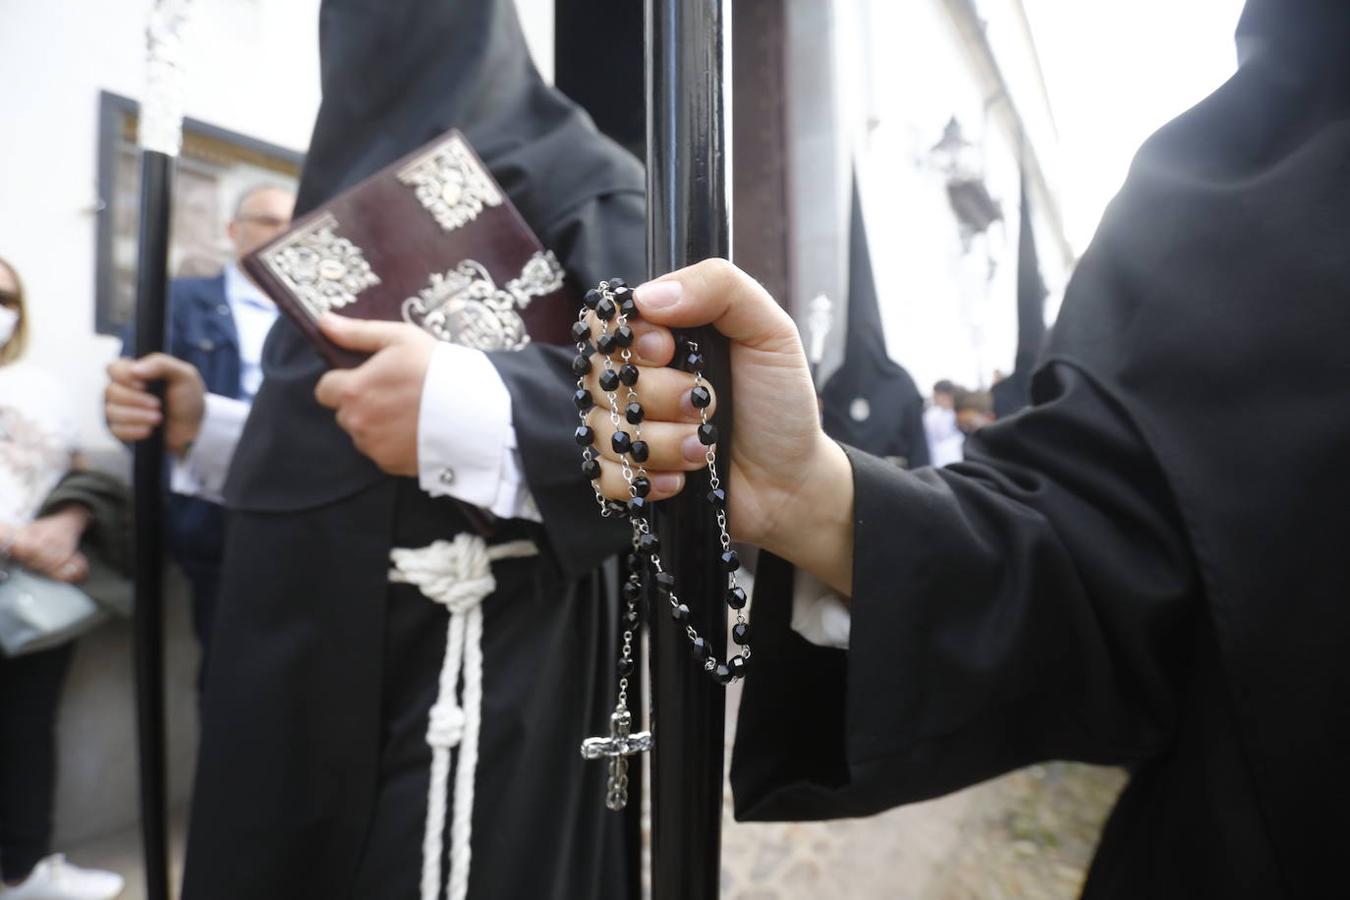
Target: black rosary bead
[700, 397]
[665, 584]
[616, 283]
[680, 613]
[649, 545]
[628, 374]
[738, 666]
[605, 309]
[583, 399]
[634, 414]
[736, 597]
[722, 673]
[632, 563]
[718, 498]
[609, 381]
[621, 442]
[623, 336]
[591, 298]
[581, 331]
[615, 508]
[740, 633]
[640, 451]
[707, 434]
[699, 647]
[632, 590]
[606, 344]
[637, 508]
[591, 469]
[630, 617]
[585, 435]
[580, 365]
[731, 560]
[628, 307]
[626, 667]
[693, 362]
[642, 486]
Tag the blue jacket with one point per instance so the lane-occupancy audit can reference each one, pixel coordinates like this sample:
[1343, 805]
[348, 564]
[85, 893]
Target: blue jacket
[202, 332]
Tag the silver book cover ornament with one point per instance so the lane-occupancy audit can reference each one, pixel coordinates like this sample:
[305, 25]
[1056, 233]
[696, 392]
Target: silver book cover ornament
[465, 306]
[450, 184]
[325, 271]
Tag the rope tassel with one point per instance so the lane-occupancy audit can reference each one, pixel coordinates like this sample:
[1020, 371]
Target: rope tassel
[458, 575]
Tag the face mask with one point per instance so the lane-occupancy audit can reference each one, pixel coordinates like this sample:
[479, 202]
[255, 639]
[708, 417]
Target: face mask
[9, 320]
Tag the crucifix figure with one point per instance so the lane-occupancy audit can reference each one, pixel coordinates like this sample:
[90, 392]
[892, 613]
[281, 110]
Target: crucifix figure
[620, 745]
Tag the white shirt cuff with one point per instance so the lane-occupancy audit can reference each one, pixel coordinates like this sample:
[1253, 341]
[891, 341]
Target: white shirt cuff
[818, 613]
[201, 473]
[466, 442]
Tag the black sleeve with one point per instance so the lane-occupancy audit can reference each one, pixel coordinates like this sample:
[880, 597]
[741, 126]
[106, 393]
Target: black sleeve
[1032, 603]
[605, 237]
[916, 439]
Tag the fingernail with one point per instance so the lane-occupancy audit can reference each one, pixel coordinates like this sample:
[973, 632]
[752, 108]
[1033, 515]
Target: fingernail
[657, 295]
[693, 449]
[649, 346]
[666, 482]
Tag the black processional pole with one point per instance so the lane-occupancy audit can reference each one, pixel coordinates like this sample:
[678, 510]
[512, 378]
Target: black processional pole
[159, 136]
[688, 219]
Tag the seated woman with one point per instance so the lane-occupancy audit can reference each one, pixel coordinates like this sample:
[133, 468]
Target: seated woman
[37, 450]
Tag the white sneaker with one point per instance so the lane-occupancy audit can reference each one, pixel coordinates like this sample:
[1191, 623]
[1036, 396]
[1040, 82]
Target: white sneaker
[56, 879]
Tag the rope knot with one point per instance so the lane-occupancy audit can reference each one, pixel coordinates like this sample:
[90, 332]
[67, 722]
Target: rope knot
[457, 574]
[445, 728]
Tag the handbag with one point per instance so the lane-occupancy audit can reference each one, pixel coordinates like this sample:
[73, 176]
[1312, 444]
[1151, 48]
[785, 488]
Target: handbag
[38, 613]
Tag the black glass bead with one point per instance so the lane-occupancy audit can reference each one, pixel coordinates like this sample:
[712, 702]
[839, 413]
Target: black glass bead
[628, 308]
[626, 667]
[740, 633]
[605, 309]
[637, 508]
[632, 590]
[680, 613]
[591, 469]
[649, 544]
[632, 563]
[693, 362]
[731, 560]
[606, 344]
[722, 673]
[699, 647]
[630, 618]
[609, 380]
[665, 583]
[581, 331]
[642, 486]
[700, 397]
[580, 365]
[633, 412]
[640, 451]
[718, 498]
[585, 435]
[707, 434]
[587, 350]
[591, 298]
[736, 598]
[621, 441]
[583, 399]
[623, 336]
[615, 508]
[738, 666]
[616, 283]
[628, 374]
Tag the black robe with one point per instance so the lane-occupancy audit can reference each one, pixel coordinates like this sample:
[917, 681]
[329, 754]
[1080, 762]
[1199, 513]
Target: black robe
[312, 775]
[1147, 567]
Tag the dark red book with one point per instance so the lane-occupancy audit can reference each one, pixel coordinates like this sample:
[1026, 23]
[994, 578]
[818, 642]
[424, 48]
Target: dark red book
[432, 240]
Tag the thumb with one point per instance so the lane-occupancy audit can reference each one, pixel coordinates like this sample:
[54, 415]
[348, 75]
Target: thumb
[361, 335]
[716, 292]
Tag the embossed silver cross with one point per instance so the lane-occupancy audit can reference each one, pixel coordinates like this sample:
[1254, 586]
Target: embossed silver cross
[620, 745]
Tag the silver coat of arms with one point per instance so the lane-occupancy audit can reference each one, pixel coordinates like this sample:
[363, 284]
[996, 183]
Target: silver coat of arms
[450, 184]
[465, 306]
[323, 270]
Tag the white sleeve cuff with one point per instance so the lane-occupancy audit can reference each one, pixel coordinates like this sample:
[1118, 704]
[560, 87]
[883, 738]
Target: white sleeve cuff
[201, 473]
[466, 442]
[819, 614]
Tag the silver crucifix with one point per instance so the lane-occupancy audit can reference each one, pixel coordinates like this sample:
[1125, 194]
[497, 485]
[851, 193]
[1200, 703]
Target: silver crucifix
[620, 745]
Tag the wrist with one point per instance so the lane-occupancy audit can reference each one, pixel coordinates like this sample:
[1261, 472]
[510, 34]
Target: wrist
[815, 530]
[74, 514]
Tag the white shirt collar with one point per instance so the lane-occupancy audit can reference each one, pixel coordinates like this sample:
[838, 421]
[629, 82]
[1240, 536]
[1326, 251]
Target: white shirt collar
[239, 289]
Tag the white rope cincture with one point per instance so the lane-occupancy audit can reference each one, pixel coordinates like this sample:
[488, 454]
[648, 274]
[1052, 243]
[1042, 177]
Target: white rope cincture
[458, 575]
